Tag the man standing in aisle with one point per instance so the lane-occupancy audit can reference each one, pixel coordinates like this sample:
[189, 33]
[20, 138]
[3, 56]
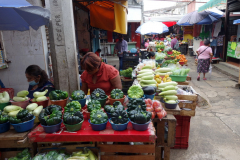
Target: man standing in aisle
[174, 42]
[119, 48]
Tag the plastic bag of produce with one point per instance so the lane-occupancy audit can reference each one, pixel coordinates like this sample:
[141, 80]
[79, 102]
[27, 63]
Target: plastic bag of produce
[161, 114]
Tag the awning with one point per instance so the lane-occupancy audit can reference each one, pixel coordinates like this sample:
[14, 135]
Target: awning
[164, 18]
[212, 3]
[169, 24]
[108, 15]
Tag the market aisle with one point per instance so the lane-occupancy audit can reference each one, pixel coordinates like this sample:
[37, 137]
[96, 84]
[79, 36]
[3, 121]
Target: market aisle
[214, 131]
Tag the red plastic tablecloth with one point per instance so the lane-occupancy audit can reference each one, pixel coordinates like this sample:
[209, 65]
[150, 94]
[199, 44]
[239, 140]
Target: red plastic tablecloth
[86, 134]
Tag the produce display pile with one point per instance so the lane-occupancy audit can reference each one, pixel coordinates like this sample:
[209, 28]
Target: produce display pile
[80, 154]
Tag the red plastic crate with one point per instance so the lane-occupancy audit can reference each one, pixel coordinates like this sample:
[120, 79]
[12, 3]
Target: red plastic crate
[9, 90]
[182, 132]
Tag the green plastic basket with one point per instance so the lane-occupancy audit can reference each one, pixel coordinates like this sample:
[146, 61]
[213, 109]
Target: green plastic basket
[178, 78]
[73, 128]
[3, 105]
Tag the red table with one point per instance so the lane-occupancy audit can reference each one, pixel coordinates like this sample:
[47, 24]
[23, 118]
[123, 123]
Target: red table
[86, 134]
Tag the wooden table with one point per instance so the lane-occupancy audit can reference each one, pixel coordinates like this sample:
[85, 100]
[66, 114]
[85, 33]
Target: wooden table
[12, 139]
[164, 142]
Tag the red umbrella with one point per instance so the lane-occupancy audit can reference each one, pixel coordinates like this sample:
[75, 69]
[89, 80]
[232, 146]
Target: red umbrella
[169, 24]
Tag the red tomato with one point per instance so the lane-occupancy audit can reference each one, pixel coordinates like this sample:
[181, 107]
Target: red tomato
[150, 109]
[148, 101]
[156, 104]
[158, 109]
[153, 115]
[148, 105]
[161, 114]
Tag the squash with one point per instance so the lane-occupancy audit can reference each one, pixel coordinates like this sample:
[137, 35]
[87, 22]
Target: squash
[93, 105]
[119, 117]
[98, 94]
[77, 95]
[23, 93]
[40, 94]
[117, 94]
[109, 109]
[4, 97]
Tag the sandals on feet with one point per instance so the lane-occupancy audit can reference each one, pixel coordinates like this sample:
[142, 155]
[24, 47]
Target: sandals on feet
[204, 79]
[198, 78]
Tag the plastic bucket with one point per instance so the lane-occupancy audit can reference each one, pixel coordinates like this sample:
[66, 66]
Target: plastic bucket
[4, 127]
[61, 103]
[178, 78]
[140, 127]
[103, 101]
[149, 96]
[81, 101]
[98, 127]
[25, 126]
[119, 127]
[53, 128]
[42, 103]
[22, 104]
[3, 105]
[111, 101]
[137, 98]
[73, 128]
[170, 106]
[109, 115]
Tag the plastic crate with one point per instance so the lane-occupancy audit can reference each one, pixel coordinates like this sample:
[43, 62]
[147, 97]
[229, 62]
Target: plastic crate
[144, 54]
[129, 64]
[131, 56]
[182, 132]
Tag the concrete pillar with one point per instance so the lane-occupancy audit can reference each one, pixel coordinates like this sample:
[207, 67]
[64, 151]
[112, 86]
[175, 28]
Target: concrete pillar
[63, 45]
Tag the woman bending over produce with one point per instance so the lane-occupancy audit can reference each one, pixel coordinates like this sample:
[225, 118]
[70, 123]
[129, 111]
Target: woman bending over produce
[151, 55]
[38, 80]
[97, 74]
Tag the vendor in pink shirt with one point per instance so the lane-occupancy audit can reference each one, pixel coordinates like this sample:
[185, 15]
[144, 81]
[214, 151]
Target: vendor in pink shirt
[204, 59]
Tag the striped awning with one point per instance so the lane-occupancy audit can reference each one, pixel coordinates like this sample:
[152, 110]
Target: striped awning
[211, 4]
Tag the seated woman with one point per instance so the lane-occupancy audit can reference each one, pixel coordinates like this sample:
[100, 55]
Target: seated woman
[38, 80]
[97, 74]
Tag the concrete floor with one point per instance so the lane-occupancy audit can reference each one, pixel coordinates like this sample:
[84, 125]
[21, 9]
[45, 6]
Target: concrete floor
[215, 130]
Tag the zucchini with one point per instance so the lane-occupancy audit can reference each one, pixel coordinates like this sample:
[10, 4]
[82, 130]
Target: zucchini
[171, 101]
[37, 111]
[13, 113]
[170, 88]
[148, 82]
[161, 74]
[147, 67]
[163, 85]
[145, 71]
[169, 92]
[40, 94]
[11, 108]
[144, 74]
[19, 99]
[43, 98]
[163, 70]
[151, 77]
[4, 97]
[146, 85]
[23, 93]
[170, 98]
[32, 106]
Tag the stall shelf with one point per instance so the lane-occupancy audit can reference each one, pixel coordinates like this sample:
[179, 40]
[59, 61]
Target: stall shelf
[100, 139]
[11, 140]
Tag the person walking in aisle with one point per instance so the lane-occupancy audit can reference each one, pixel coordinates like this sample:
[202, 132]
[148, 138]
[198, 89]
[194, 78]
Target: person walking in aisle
[119, 48]
[204, 59]
[174, 42]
